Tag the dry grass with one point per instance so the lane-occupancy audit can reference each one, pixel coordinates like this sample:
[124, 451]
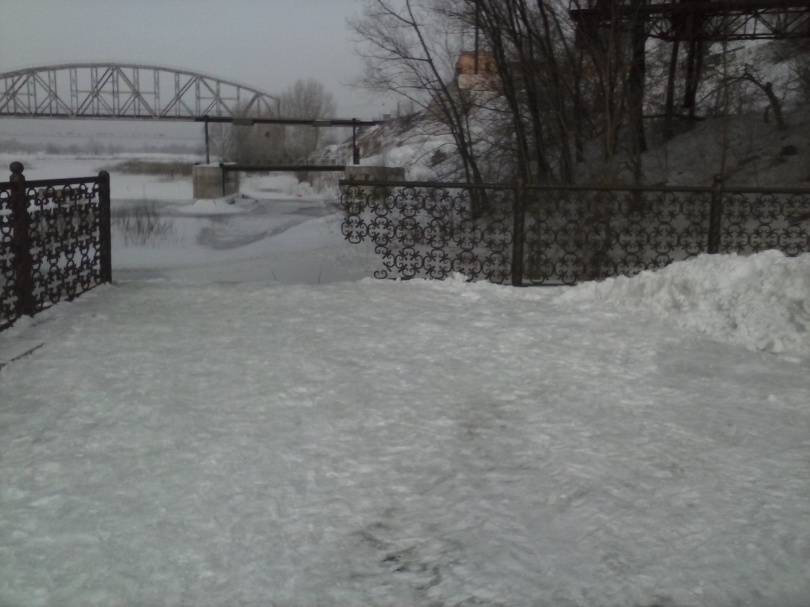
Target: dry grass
[142, 224]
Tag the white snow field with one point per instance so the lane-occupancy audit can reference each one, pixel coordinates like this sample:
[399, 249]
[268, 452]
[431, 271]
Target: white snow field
[223, 427]
[384, 443]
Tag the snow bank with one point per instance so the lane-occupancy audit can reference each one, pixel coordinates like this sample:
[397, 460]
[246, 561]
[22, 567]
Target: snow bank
[761, 302]
[416, 156]
[280, 186]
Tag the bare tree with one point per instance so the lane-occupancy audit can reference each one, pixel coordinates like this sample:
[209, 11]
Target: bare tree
[257, 144]
[556, 84]
[539, 80]
[410, 51]
[614, 41]
[307, 99]
[223, 141]
[751, 74]
[272, 143]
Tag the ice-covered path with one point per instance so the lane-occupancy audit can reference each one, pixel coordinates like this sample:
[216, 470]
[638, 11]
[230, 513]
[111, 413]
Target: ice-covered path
[391, 444]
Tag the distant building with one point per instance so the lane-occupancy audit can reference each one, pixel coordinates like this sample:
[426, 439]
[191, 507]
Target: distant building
[466, 76]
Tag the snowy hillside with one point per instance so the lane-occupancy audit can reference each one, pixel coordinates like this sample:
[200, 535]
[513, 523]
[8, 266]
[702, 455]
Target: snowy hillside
[745, 147]
[422, 147]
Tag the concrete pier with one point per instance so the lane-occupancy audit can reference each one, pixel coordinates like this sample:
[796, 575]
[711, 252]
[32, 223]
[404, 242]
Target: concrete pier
[211, 181]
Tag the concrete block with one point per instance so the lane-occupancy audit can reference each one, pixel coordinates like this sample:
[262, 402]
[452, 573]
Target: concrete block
[208, 181]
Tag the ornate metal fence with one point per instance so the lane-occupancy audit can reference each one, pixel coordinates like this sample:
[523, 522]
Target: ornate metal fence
[562, 235]
[54, 241]
[432, 231]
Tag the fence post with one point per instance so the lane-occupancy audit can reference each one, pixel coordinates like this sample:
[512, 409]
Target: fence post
[21, 242]
[355, 149]
[104, 230]
[518, 232]
[715, 215]
[207, 151]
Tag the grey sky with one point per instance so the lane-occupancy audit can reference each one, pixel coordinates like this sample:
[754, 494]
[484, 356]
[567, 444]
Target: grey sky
[264, 43]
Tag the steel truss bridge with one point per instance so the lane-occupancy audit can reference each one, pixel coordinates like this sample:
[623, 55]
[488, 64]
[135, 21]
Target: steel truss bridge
[127, 91]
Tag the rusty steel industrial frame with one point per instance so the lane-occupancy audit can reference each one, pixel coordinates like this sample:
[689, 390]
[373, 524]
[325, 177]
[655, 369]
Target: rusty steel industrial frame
[693, 23]
[706, 20]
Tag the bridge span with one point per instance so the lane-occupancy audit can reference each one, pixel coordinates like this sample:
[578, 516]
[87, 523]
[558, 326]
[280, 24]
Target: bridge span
[127, 91]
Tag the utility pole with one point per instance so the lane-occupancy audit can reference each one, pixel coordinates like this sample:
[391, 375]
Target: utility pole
[207, 154]
[355, 149]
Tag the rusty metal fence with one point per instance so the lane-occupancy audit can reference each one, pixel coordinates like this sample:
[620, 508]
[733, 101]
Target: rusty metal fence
[563, 235]
[54, 241]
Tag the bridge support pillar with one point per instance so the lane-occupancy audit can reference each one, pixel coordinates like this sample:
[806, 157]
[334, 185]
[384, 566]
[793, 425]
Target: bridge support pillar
[213, 181]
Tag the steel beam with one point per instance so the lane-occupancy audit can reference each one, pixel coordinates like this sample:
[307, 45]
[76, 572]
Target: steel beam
[718, 20]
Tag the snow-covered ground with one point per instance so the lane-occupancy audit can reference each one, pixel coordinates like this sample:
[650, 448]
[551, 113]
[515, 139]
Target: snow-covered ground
[200, 434]
[284, 241]
[123, 186]
[380, 443]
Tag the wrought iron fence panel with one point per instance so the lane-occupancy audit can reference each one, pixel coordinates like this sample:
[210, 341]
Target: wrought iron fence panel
[753, 222]
[432, 232]
[575, 234]
[65, 241]
[564, 234]
[54, 241]
[8, 296]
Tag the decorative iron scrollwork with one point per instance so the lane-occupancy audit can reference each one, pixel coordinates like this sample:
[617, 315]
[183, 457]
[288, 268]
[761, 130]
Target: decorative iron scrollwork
[65, 245]
[8, 297]
[64, 233]
[431, 232]
[569, 234]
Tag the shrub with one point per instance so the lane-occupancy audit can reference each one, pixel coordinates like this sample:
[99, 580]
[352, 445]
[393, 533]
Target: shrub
[142, 224]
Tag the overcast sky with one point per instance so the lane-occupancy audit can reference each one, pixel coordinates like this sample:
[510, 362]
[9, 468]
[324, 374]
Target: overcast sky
[263, 43]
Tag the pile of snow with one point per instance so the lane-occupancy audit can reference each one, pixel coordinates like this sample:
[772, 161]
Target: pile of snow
[761, 302]
[416, 154]
[280, 186]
